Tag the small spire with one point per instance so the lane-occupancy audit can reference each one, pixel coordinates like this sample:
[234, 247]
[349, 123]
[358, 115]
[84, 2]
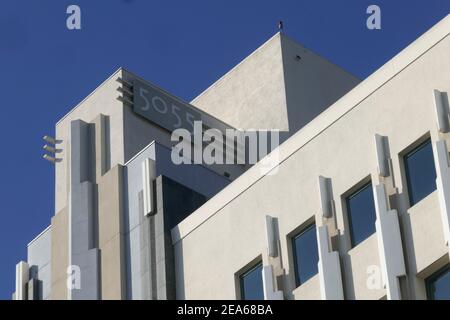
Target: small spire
[280, 25]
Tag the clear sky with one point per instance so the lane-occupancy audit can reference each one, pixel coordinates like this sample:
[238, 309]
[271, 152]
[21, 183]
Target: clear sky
[182, 46]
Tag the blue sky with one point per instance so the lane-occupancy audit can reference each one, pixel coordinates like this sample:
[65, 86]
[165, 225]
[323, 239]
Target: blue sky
[183, 46]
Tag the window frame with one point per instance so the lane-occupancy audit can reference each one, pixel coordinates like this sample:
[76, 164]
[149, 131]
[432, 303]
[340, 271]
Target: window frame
[410, 150]
[301, 231]
[252, 266]
[355, 190]
[432, 279]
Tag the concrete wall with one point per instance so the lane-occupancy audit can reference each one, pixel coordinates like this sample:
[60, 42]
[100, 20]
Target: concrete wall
[111, 234]
[101, 101]
[312, 83]
[252, 94]
[139, 132]
[122, 136]
[273, 89]
[395, 102]
[137, 226]
[39, 259]
[310, 290]
[83, 252]
[60, 255]
[362, 271]
[228, 231]
[97, 135]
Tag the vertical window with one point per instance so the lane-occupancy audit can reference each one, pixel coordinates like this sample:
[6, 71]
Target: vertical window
[306, 255]
[438, 285]
[361, 214]
[420, 172]
[251, 284]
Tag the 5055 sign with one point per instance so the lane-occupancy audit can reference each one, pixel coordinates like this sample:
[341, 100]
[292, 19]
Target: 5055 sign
[162, 109]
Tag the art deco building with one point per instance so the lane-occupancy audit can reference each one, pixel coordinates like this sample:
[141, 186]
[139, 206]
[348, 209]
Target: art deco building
[357, 208]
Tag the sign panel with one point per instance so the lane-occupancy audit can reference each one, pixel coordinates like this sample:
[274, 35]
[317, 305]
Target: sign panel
[163, 109]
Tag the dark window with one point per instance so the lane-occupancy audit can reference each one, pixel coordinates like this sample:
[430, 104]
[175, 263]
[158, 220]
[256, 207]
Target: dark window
[420, 172]
[438, 285]
[251, 284]
[361, 214]
[172, 211]
[306, 255]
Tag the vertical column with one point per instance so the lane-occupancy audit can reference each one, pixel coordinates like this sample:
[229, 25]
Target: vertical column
[329, 265]
[83, 256]
[442, 161]
[327, 208]
[326, 197]
[272, 268]
[271, 237]
[383, 159]
[329, 268]
[148, 177]
[22, 277]
[390, 247]
[389, 244]
[442, 111]
[33, 289]
[443, 186]
[270, 291]
[384, 164]
[102, 146]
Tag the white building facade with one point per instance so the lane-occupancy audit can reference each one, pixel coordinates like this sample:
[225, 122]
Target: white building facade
[358, 206]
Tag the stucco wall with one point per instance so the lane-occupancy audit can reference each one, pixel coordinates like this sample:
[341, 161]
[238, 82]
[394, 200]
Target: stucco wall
[228, 232]
[101, 101]
[60, 255]
[111, 234]
[39, 258]
[256, 81]
[281, 85]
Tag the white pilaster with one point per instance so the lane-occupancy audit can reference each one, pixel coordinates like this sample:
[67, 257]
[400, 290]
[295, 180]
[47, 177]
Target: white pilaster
[443, 185]
[22, 277]
[268, 285]
[148, 175]
[329, 268]
[390, 246]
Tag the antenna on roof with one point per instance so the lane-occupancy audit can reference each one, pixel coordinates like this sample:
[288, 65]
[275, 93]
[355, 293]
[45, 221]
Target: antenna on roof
[280, 25]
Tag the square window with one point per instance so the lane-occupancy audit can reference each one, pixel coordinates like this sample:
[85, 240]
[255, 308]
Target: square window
[251, 284]
[361, 214]
[420, 172]
[438, 285]
[306, 255]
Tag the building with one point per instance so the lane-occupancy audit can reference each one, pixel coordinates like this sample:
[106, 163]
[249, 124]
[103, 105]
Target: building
[359, 207]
